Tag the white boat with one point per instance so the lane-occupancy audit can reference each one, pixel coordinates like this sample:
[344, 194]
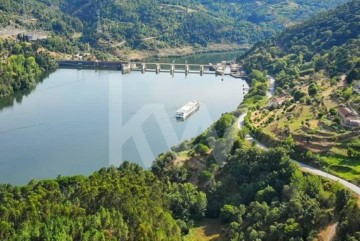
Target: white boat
[188, 109]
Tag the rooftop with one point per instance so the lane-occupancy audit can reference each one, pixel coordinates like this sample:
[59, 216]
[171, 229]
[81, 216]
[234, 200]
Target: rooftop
[344, 111]
[278, 100]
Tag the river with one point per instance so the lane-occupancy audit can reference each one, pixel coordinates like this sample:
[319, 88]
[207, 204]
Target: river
[77, 121]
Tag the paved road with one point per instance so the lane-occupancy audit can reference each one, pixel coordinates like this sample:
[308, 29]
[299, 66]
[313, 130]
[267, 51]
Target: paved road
[271, 91]
[304, 167]
[318, 172]
[241, 119]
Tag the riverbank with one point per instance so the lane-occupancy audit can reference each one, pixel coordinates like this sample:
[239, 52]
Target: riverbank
[132, 55]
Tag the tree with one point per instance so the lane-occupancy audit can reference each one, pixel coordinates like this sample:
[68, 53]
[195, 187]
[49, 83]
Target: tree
[298, 95]
[353, 75]
[202, 149]
[229, 213]
[342, 198]
[312, 90]
[267, 195]
[222, 125]
[186, 202]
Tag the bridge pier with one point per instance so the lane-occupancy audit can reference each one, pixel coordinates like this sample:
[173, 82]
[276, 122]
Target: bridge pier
[171, 67]
[126, 68]
[157, 68]
[143, 68]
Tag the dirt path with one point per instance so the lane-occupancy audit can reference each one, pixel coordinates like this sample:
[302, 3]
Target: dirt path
[329, 233]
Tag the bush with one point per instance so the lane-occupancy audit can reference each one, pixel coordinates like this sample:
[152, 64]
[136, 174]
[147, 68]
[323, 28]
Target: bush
[202, 149]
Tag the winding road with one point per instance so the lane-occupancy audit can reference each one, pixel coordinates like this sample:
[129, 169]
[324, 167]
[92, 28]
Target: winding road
[304, 167]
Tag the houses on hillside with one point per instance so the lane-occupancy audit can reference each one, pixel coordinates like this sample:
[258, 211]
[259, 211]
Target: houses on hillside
[349, 117]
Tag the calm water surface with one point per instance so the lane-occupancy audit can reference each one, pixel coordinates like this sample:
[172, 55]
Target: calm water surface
[77, 121]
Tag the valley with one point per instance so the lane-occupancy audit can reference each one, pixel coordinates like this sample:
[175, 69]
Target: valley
[275, 157]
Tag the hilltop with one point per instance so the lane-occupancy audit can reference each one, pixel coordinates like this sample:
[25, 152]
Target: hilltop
[112, 28]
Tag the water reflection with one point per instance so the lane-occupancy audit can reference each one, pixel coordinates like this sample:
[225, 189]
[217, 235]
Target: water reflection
[17, 97]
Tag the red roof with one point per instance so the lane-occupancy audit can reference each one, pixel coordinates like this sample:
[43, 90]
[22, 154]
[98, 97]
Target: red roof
[279, 100]
[344, 111]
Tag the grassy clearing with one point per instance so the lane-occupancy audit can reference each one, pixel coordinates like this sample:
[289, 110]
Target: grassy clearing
[207, 230]
[339, 151]
[303, 113]
[343, 167]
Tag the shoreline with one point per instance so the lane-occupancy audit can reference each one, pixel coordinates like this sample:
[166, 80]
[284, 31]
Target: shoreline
[134, 55]
[141, 55]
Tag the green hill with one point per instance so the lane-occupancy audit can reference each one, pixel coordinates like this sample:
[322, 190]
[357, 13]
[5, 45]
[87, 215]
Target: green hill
[125, 203]
[316, 65]
[154, 24]
[256, 194]
[329, 42]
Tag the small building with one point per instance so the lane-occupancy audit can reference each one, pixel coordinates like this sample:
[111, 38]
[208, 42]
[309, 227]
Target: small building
[349, 117]
[354, 121]
[35, 37]
[277, 101]
[78, 57]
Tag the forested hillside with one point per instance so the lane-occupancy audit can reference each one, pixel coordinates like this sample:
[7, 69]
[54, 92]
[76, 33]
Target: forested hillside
[21, 65]
[258, 194]
[328, 42]
[125, 203]
[316, 66]
[153, 24]
[110, 29]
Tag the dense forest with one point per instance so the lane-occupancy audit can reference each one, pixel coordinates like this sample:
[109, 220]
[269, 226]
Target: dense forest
[258, 194]
[150, 24]
[125, 203]
[21, 66]
[329, 42]
[128, 203]
[113, 28]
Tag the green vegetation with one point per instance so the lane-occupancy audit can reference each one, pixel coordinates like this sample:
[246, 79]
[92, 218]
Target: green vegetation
[21, 66]
[327, 42]
[123, 203]
[256, 96]
[315, 64]
[261, 195]
[350, 218]
[115, 26]
[282, 205]
[257, 194]
[206, 230]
